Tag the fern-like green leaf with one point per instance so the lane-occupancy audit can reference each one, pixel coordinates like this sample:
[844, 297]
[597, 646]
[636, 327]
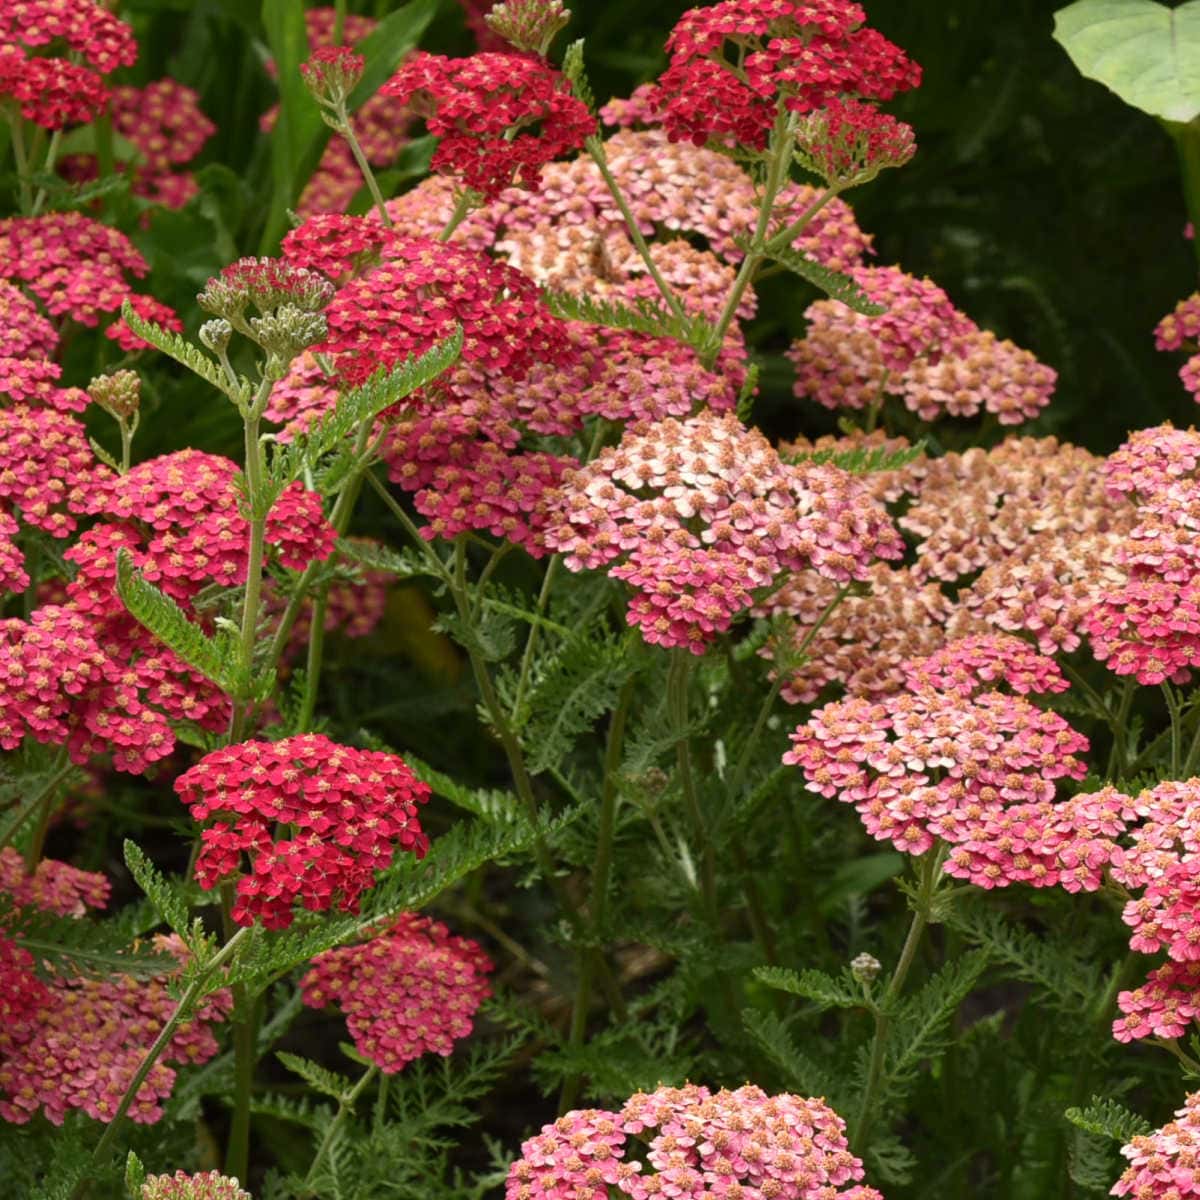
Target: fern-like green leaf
[490, 804]
[642, 316]
[825, 991]
[167, 898]
[575, 71]
[320, 1079]
[862, 460]
[1107, 1118]
[75, 947]
[183, 352]
[388, 386]
[833, 283]
[167, 621]
[374, 556]
[803, 1074]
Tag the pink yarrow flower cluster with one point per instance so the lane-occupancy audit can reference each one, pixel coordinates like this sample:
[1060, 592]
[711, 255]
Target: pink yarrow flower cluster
[796, 53]
[81, 1048]
[349, 811]
[1180, 330]
[692, 1143]
[411, 989]
[1163, 1165]
[1150, 626]
[697, 515]
[955, 760]
[208, 1185]
[921, 350]
[500, 117]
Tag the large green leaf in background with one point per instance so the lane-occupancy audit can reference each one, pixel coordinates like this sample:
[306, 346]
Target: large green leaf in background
[1145, 52]
[299, 137]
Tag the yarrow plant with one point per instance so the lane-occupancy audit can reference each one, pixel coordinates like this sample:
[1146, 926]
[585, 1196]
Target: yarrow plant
[460, 535]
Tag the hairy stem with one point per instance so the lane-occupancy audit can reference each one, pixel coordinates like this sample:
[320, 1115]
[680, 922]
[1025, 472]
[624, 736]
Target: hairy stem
[595, 147]
[346, 1105]
[601, 870]
[931, 865]
[346, 129]
[678, 676]
[182, 1010]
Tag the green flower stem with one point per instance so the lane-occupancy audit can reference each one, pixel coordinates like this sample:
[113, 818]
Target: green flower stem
[339, 518]
[601, 871]
[381, 1103]
[21, 159]
[782, 136]
[1119, 726]
[1191, 1066]
[931, 866]
[1174, 707]
[182, 1010]
[678, 676]
[789, 233]
[462, 206]
[346, 1105]
[531, 641]
[456, 584]
[346, 129]
[764, 712]
[595, 147]
[1187, 145]
[48, 168]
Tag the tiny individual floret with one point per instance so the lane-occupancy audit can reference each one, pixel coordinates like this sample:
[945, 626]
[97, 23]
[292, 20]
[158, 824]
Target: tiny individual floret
[500, 117]
[348, 812]
[209, 1185]
[412, 989]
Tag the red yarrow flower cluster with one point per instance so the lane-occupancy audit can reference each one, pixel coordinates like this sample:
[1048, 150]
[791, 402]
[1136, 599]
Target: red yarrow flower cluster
[80, 1050]
[972, 767]
[1165, 1164]
[412, 989]
[349, 811]
[698, 514]
[87, 28]
[692, 1143]
[421, 294]
[802, 53]
[22, 993]
[75, 266]
[51, 92]
[500, 117]
[209, 1185]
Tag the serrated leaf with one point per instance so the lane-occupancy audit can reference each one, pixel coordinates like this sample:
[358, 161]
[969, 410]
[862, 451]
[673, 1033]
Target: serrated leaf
[1107, 1118]
[135, 1176]
[826, 991]
[183, 352]
[861, 460]
[103, 455]
[575, 71]
[319, 1078]
[833, 283]
[642, 316]
[375, 556]
[167, 621]
[163, 895]
[491, 804]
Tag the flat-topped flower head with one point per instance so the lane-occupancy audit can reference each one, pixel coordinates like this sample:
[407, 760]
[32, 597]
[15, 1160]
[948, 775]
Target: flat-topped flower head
[698, 514]
[802, 54]
[74, 265]
[976, 771]
[412, 989]
[79, 1051]
[84, 27]
[421, 294]
[1150, 460]
[500, 117]
[969, 665]
[346, 812]
[848, 142]
[53, 886]
[207, 1185]
[692, 1143]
